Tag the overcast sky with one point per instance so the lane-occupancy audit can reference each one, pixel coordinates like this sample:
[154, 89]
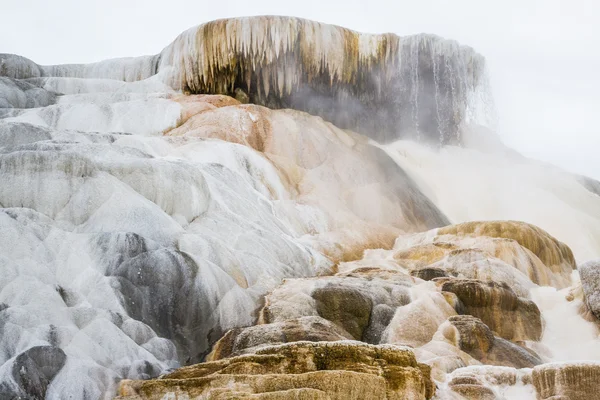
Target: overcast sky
[543, 55]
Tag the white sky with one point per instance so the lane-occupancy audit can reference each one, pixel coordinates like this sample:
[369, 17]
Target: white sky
[543, 55]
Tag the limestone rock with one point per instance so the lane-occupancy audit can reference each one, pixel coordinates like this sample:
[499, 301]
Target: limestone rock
[472, 391]
[510, 317]
[557, 256]
[244, 340]
[175, 239]
[340, 370]
[589, 273]
[573, 381]
[359, 306]
[16, 93]
[528, 249]
[428, 274]
[472, 336]
[379, 85]
[32, 372]
[346, 307]
[18, 67]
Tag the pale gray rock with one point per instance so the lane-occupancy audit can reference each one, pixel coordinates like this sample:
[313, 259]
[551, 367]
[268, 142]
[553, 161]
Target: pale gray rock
[589, 273]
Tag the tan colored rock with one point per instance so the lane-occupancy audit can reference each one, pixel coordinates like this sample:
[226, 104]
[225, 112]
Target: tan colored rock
[361, 307]
[471, 335]
[507, 315]
[555, 255]
[246, 340]
[341, 208]
[339, 370]
[196, 104]
[293, 394]
[429, 273]
[514, 253]
[473, 391]
[344, 306]
[573, 381]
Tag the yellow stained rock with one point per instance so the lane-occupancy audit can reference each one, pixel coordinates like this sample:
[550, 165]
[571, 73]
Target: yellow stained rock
[336, 370]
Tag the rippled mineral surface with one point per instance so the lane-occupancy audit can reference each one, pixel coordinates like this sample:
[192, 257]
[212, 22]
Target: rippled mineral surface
[275, 208]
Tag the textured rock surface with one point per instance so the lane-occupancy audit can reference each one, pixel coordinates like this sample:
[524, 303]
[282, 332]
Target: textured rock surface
[507, 315]
[555, 255]
[340, 370]
[359, 306]
[124, 226]
[480, 250]
[576, 381]
[425, 84]
[590, 279]
[473, 337]
[486, 382]
[140, 224]
[243, 340]
[32, 372]
[20, 94]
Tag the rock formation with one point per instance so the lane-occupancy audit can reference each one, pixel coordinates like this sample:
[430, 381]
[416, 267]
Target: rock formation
[384, 86]
[573, 381]
[301, 370]
[179, 225]
[590, 278]
[507, 315]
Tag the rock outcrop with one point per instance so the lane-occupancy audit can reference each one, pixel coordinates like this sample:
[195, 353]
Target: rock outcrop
[555, 255]
[507, 315]
[481, 250]
[472, 336]
[247, 340]
[338, 370]
[590, 279]
[177, 225]
[159, 244]
[572, 381]
[384, 86]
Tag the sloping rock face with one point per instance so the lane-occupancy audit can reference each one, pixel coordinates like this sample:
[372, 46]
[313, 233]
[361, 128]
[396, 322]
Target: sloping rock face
[555, 255]
[451, 324]
[148, 246]
[21, 94]
[383, 86]
[339, 370]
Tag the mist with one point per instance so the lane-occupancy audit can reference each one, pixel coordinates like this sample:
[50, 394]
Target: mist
[540, 54]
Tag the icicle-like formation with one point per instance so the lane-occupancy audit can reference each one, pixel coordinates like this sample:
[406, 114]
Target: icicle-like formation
[386, 86]
[422, 86]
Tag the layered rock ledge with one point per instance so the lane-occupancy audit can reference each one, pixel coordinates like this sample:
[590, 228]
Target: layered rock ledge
[301, 370]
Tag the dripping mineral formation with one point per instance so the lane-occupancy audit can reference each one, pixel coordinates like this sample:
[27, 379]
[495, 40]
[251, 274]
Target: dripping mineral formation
[383, 86]
[275, 208]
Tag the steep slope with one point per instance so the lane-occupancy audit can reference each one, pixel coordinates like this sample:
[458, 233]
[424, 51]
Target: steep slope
[128, 255]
